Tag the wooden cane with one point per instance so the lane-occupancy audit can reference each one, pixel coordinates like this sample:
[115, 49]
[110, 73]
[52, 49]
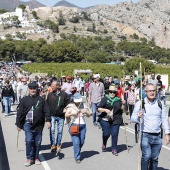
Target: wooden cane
[124, 116]
[139, 151]
[17, 140]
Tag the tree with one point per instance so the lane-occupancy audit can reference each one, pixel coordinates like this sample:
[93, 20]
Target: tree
[133, 64]
[34, 13]
[23, 7]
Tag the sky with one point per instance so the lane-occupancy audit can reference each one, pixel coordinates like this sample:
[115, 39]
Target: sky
[84, 3]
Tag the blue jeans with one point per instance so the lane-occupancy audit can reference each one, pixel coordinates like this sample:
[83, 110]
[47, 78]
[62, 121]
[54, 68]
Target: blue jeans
[60, 125]
[33, 140]
[150, 146]
[94, 111]
[109, 129]
[7, 103]
[78, 140]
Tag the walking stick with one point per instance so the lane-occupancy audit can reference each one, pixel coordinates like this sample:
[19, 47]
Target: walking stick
[124, 117]
[139, 151]
[17, 140]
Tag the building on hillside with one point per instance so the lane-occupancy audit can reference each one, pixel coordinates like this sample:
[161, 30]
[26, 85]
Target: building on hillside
[18, 12]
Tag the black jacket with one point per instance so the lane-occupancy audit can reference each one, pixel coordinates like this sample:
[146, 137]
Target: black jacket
[40, 114]
[57, 103]
[117, 111]
[8, 92]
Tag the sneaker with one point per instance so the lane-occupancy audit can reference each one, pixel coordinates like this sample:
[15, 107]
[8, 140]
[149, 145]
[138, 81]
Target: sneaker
[99, 126]
[37, 162]
[114, 152]
[58, 148]
[103, 148]
[78, 161]
[53, 148]
[95, 124]
[28, 162]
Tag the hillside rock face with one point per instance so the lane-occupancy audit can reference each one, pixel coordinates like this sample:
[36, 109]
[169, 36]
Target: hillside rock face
[147, 18]
[150, 18]
[12, 4]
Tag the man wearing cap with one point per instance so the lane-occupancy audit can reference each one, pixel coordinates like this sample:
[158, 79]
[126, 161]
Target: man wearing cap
[68, 87]
[23, 89]
[32, 113]
[96, 92]
[57, 101]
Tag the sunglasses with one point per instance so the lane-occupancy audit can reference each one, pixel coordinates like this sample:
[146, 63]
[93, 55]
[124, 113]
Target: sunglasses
[112, 92]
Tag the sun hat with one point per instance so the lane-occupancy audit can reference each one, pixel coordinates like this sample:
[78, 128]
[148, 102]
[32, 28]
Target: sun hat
[77, 98]
[112, 88]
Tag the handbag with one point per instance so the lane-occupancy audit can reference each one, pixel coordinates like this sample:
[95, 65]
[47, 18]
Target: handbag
[74, 130]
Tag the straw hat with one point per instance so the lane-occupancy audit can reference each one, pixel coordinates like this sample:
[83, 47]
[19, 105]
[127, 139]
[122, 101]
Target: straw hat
[112, 88]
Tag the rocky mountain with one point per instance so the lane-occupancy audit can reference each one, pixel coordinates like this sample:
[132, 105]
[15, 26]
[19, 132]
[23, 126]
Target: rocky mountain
[147, 18]
[12, 4]
[65, 4]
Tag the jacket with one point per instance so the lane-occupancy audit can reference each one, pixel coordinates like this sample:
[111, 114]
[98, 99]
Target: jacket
[57, 103]
[41, 112]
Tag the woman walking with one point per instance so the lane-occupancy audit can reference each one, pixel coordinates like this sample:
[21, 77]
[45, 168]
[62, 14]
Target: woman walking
[110, 119]
[75, 116]
[7, 94]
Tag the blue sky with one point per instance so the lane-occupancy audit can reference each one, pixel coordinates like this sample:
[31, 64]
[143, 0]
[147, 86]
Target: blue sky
[84, 3]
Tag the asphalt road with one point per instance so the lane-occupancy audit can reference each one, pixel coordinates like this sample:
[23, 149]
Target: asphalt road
[92, 156]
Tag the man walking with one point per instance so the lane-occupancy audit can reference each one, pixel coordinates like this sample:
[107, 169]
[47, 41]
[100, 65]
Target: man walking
[57, 101]
[96, 92]
[153, 115]
[32, 113]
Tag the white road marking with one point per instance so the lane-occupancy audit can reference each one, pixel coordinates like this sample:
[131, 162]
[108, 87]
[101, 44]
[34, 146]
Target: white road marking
[43, 161]
[133, 132]
[41, 157]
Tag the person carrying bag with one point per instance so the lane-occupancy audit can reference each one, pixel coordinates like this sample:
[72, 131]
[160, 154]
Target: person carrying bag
[75, 118]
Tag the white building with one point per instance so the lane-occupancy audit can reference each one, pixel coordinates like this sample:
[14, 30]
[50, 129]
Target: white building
[18, 12]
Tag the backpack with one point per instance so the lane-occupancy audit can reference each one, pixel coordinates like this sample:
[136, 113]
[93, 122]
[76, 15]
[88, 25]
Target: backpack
[158, 101]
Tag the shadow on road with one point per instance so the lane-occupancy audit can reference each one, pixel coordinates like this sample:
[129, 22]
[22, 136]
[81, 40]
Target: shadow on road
[120, 148]
[4, 164]
[88, 154]
[160, 168]
[66, 145]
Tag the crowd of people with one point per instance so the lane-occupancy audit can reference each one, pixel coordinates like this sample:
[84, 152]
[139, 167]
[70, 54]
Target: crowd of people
[53, 100]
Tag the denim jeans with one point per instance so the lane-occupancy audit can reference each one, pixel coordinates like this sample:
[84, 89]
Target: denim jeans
[150, 146]
[33, 140]
[109, 129]
[60, 125]
[94, 111]
[7, 104]
[78, 140]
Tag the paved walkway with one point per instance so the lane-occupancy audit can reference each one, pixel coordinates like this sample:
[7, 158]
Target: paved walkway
[92, 157]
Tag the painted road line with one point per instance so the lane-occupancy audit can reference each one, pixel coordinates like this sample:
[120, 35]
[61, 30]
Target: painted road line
[43, 161]
[133, 132]
[41, 157]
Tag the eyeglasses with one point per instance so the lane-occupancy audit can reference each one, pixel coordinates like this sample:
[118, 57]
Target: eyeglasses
[150, 91]
[112, 92]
